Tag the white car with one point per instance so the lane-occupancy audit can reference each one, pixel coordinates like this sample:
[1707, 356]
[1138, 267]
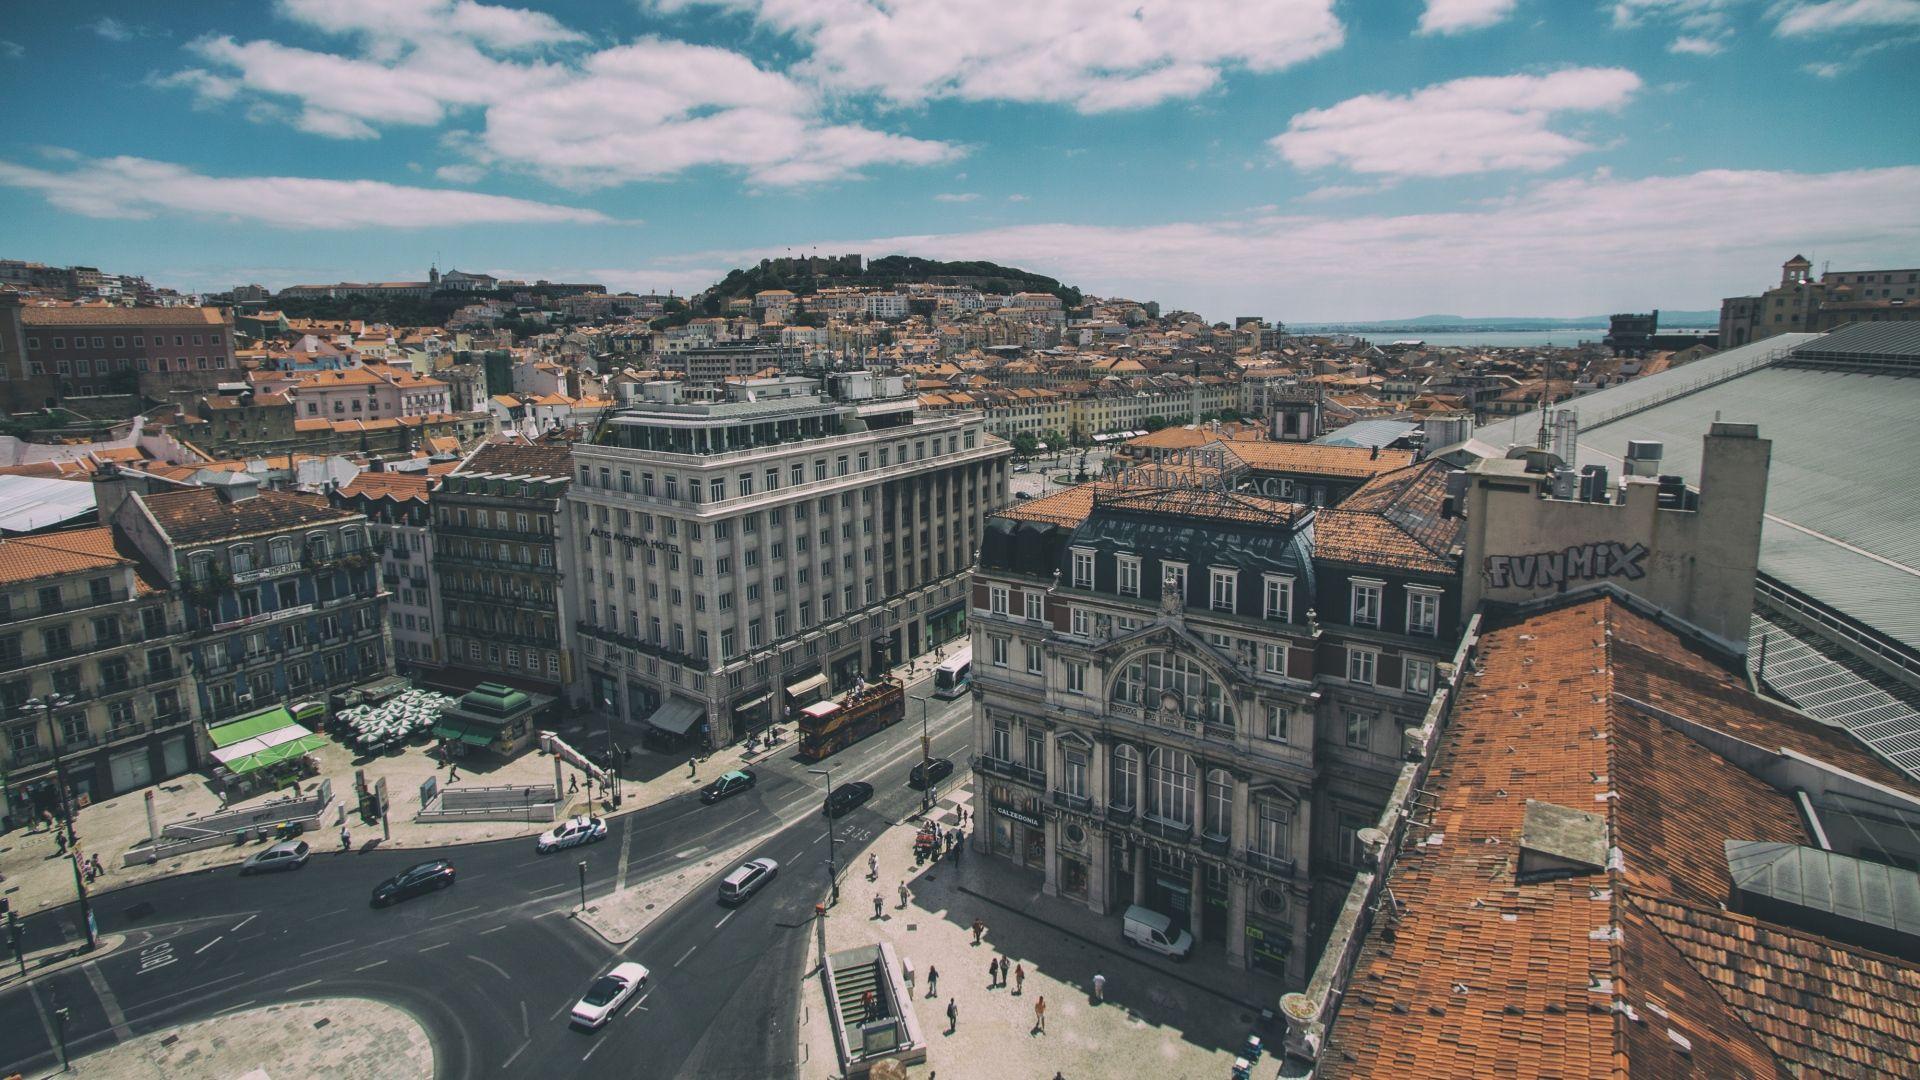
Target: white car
[570, 833]
[608, 993]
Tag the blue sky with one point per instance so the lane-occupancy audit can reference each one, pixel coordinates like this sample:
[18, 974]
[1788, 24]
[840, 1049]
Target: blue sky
[1295, 159]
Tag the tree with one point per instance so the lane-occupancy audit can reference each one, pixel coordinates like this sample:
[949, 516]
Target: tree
[1024, 444]
[1154, 423]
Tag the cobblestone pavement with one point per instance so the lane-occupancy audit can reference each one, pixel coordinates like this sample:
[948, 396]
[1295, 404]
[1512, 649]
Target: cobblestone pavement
[345, 1038]
[1153, 1023]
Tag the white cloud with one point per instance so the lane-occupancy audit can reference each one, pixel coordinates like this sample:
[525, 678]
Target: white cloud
[957, 196]
[460, 174]
[645, 110]
[112, 29]
[11, 50]
[1455, 128]
[1334, 192]
[1715, 233]
[1705, 25]
[1454, 16]
[1017, 198]
[1096, 55]
[1799, 20]
[1693, 45]
[138, 188]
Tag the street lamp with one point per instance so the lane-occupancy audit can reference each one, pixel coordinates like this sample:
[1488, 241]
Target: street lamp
[48, 705]
[583, 886]
[613, 752]
[61, 1015]
[926, 761]
[833, 871]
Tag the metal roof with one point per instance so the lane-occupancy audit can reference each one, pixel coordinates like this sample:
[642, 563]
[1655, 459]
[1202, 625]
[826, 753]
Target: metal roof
[1886, 898]
[1836, 689]
[1888, 340]
[1368, 433]
[30, 503]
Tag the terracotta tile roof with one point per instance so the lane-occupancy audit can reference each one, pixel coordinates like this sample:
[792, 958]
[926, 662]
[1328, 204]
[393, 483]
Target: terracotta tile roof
[77, 551]
[1319, 459]
[1630, 970]
[1393, 521]
[96, 315]
[201, 515]
[521, 459]
[1072, 506]
[399, 486]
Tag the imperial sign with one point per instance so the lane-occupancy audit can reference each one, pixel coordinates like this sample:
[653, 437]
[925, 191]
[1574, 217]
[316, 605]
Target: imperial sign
[1556, 569]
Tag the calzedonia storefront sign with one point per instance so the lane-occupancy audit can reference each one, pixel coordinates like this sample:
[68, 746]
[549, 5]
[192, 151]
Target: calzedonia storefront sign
[1024, 819]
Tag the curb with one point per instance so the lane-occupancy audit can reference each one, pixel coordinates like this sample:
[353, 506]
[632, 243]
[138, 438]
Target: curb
[1077, 936]
[107, 944]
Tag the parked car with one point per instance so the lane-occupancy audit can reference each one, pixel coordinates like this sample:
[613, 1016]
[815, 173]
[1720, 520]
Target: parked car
[583, 829]
[747, 880]
[728, 783]
[286, 855]
[847, 796]
[608, 993]
[420, 878]
[1022, 495]
[930, 772]
[1154, 932]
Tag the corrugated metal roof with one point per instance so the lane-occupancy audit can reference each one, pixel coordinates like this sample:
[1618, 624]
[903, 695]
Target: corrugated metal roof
[1889, 339]
[1841, 501]
[28, 503]
[1368, 433]
[1835, 689]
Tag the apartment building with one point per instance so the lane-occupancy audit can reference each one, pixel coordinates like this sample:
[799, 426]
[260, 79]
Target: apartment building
[399, 520]
[1191, 698]
[1802, 303]
[740, 547]
[281, 595]
[85, 617]
[498, 541]
[99, 350]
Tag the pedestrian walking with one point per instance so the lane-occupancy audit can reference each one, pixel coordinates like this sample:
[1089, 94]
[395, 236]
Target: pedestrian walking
[346, 839]
[906, 973]
[953, 1016]
[453, 767]
[933, 981]
[93, 864]
[959, 849]
[1040, 1013]
[866, 1005]
[693, 764]
[903, 895]
[993, 973]
[1099, 989]
[978, 929]
[878, 905]
[873, 867]
[1019, 978]
[573, 783]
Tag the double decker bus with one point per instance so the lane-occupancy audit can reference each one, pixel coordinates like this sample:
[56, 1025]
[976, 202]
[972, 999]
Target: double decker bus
[954, 674]
[827, 727]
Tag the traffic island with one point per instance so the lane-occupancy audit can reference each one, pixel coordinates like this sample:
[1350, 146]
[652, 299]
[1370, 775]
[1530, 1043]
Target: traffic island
[342, 1038]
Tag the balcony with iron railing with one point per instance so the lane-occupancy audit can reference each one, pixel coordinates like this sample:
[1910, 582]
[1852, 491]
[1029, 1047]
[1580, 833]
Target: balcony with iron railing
[130, 730]
[1272, 865]
[28, 613]
[1010, 770]
[1069, 801]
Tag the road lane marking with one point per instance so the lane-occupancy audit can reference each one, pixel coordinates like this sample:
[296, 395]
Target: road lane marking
[517, 1053]
[440, 945]
[303, 986]
[495, 930]
[525, 1029]
[597, 1045]
[244, 921]
[229, 1010]
[683, 958]
[796, 855]
[46, 1022]
[327, 948]
[335, 911]
[209, 945]
[497, 969]
[723, 920]
[626, 849]
[451, 914]
[689, 853]
[556, 1013]
[370, 967]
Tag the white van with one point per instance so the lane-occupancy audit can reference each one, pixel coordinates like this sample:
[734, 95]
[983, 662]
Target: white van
[1152, 930]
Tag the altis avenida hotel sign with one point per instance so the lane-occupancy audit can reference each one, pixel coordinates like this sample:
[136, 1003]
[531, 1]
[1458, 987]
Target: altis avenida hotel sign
[634, 541]
[1558, 569]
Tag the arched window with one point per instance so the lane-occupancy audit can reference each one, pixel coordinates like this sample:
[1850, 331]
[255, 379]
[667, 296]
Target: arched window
[201, 566]
[318, 545]
[241, 556]
[1146, 681]
[351, 540]
[1219, 805]
[280, 551]
[1124, 791]
[1170, 785]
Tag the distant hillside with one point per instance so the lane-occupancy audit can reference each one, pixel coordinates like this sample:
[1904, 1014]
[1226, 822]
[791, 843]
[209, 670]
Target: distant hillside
[1448, 323]
[883, 273]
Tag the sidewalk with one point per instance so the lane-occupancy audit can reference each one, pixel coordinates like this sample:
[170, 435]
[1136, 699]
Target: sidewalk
[363, 1040]
[1161, 1023]
[33, 876]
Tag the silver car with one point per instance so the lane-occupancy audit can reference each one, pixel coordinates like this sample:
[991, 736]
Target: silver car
[285, 855]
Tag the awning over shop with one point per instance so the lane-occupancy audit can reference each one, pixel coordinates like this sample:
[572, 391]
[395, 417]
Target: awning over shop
[273, 755]
[808, 686]
[677, 715]
[383, 688]
[249, 727]
[751, 704]
[466, 731]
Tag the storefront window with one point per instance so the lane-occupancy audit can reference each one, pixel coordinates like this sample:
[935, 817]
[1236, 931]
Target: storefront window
[1073, 878]
[1125, 788]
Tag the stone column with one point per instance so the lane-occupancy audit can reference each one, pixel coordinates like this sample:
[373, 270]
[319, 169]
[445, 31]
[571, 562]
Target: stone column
[1099, 848]
[1237, 921]
[1140, 861]
[1242, 826]
[1198, 903]
[1052, 885]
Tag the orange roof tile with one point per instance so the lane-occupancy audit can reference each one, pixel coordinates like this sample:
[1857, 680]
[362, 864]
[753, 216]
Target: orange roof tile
[1319, 459]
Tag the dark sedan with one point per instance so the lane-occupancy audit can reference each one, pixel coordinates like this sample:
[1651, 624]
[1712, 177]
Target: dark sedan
[729, 783]
[847, 796]
[930, 771]
[425, 877]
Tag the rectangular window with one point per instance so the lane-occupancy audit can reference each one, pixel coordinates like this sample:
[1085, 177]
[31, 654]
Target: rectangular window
[1034, 659]
[1073, 777]
[1076, 677]
[1366, 603]
[1361, 664]
[997, 599]
[1036, 605]
[1279, 598]
[1359, 729]
[998, 645]
[1081, 621]
[1173, 579]
[1277, 723]
[1423, 612]
[1222, 591]
[1129, 575]
[1419, 677]
[1082, 569]
[1274, 658]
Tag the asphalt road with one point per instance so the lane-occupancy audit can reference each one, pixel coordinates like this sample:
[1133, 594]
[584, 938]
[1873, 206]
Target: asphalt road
[492, 965]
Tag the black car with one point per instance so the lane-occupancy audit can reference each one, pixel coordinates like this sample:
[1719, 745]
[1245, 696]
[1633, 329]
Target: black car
[729, 783]
[414, 880]
[930, 772]
[847, 796]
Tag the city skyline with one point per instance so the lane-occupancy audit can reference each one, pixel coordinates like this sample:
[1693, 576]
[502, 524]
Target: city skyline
[1296, 160]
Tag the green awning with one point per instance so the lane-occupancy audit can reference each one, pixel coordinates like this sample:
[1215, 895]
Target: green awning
[454, 729]
[273, 755]
[250, 727]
